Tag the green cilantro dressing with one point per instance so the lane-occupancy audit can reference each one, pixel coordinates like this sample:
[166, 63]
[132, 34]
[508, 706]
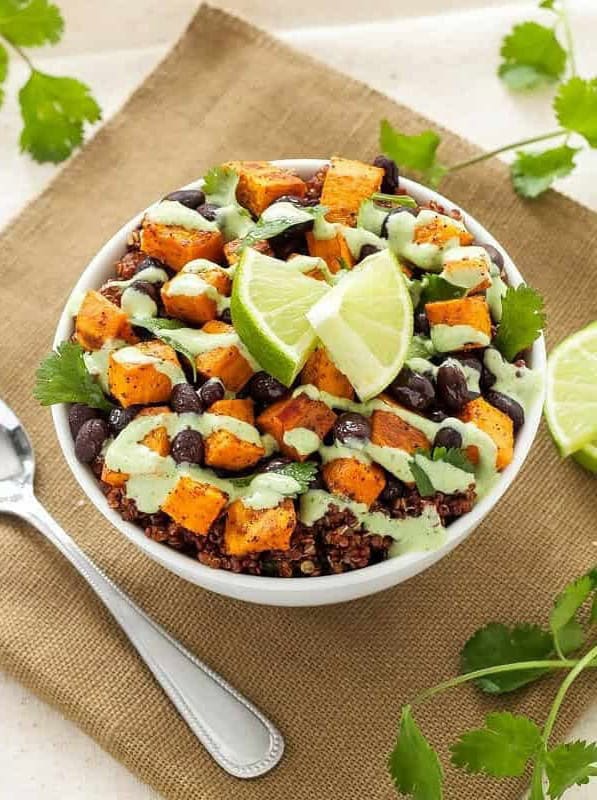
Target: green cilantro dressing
[132, 355]
[303, 440]
[420, 346]
[234, 222]
[334, 451]
[149, 274]
[371, 217]
[495, 293]
[446, 338]
[415, 533]
[520, 383]
[197, 342]
[322, 229]
[269, 488]
[467, 275]
[191, 284]
[285, 211]
[138, 304]
[357, 237]
[171, 212]
[305, 264]
[395, 460]
[444, 477]
[401, 235]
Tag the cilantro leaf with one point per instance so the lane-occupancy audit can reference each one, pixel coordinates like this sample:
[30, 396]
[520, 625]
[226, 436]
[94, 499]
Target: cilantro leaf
[548, 4]
[62, 377]
[497, 644]
[567, 631]
[3, 70]
[436, 288]
[532, 55]
[267, 229]
[160, 327]
[534, 173]
[454, 456]
[501, 749]
[576, 107]
[414, 766]
[54, 111]
[424, 485]
[394, 199]
[219, 186]
[522, 320]
[303, 473]
[416, 152]
[31, 23]
[571, 764]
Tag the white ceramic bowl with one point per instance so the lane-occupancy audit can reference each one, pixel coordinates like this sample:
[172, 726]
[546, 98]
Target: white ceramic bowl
[293, 591]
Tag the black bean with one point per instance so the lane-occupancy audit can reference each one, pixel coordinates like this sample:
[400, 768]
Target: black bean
[78, 414]
[393, 491]
[187, 447]
[184, 398]
[487, 379]
[208, 211]
[191, 198]
[351, 425]
[452, 389]
[391, 178]
[448, 438]
[147, 263]
[412, 390]
[508, 406]
[422, 323]
[211, 391]
[285, 246]
[146, 288]
[470, 361]
[317, 482]
[305, 202]
[119, 418]
[90, 438]
[397, 210]
[274, 464]
[494, 254]
[264, 388]
[226, 316]
[367, 250]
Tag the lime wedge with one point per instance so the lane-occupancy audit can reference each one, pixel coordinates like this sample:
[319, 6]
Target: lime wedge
[571, 403]
[587, 457]
[366, 323]
[270, 299]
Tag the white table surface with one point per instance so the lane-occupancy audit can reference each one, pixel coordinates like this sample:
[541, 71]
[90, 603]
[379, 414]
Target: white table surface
[439, 60]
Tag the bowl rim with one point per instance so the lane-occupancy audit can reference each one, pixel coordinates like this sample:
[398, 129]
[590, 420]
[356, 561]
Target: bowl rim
[295, 591]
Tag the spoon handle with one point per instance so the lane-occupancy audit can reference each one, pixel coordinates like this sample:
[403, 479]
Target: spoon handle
[233, 731]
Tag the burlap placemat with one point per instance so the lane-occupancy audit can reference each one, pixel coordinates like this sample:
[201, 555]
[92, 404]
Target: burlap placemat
[332, 678]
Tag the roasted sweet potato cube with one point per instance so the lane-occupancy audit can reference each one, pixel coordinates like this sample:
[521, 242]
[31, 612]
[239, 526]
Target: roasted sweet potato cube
[495, 424]
[321, 371]
[354, 479]
[226, 363]
[194, 505]
[239, 409]
[260, 183]
[474, 267]
[140, 383]
[253, 530]
[176, 246]
[296, 412]
[390, 430]
[472, 311]
[217, 326]
[225, 450]
[347, 183]
[335, 252]
[99, 320]
[439, 230]
[194, 306]
[113, 477]
[232, 251]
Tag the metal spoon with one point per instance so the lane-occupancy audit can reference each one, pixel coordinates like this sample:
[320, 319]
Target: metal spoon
[232, 730]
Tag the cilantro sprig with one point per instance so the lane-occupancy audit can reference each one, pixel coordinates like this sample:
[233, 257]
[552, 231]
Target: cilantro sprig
[62, 377]
[522, 320]
[54, 109]
[161, 328]
[302, 472]
[533, 55]
[500, 659]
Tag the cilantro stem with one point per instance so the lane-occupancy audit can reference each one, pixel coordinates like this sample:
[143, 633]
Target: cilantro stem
[482, 673]
[565, 22]
[19, 51]
[522, 143]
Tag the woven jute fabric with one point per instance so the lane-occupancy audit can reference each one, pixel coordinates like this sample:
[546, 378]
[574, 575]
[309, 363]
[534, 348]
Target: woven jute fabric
[332, 678]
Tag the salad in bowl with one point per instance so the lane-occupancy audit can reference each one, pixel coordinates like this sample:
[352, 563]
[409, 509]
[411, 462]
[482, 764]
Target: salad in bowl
[296, 370]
